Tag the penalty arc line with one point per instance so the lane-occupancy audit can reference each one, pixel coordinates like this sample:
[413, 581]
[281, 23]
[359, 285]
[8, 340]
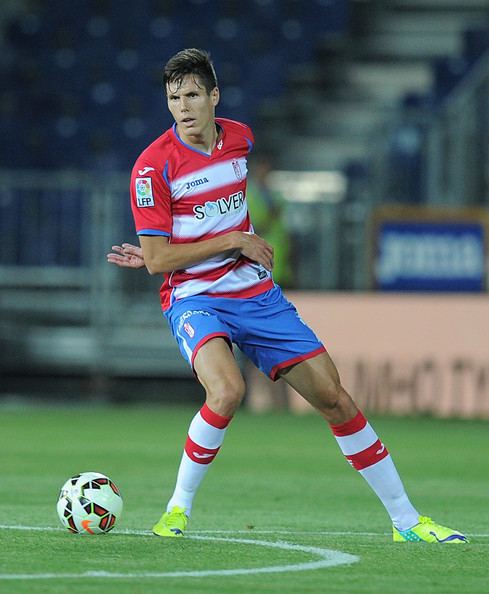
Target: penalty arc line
[327, 558]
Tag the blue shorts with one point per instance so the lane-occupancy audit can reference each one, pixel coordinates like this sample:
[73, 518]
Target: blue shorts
[267, 328]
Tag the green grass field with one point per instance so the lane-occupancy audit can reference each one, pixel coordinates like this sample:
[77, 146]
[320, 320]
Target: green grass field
[279, 496]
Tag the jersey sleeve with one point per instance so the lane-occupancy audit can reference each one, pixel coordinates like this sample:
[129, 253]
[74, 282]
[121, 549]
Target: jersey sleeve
[240, 129]
[150, 201]
[250, 138]
[245, 131]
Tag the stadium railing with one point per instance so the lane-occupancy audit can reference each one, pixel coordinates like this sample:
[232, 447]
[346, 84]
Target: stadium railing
[458, 142]
[63, 308]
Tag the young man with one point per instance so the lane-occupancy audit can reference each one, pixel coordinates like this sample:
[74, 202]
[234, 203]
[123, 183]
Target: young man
[188, 192]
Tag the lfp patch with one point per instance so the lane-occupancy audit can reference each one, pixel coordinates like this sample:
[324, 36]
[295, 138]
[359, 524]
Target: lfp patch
[144, 192]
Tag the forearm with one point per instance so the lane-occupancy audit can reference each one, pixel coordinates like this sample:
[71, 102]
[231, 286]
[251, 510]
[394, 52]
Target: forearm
[166, 257]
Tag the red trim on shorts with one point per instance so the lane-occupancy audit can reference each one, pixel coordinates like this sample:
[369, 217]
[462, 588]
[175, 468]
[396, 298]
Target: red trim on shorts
[373, 454]
[274, 371]
[198, 453]
[206, 339]
[352, 426]
[213, 418]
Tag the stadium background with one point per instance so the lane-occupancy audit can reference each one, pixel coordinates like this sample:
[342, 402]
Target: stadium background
[371, 110]
[375, 117]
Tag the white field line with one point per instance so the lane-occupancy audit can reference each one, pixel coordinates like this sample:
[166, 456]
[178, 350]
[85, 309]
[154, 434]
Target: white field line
[249, 532]
[327, 558]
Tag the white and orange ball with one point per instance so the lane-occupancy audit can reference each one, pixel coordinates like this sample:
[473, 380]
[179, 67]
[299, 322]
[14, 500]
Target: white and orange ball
[89, 503]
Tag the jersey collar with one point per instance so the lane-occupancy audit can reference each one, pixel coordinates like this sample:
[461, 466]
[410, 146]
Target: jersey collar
[219, 141]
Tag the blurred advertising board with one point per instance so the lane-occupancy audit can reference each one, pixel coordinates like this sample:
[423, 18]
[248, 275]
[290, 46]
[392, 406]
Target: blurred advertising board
[405, 353]
[428, 249]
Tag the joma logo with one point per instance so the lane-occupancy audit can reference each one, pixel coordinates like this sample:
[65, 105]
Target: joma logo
[196, 182]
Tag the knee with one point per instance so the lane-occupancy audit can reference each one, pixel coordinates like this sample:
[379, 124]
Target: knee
[225, 396]
[331, 394]
[335, 404]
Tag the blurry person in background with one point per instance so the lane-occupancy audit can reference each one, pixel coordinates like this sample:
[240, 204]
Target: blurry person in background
[267, 211]
[188, 197]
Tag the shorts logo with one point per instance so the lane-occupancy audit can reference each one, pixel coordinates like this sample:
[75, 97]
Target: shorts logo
[189, 329]
[185, 325]
[144, 192]
[237, 169]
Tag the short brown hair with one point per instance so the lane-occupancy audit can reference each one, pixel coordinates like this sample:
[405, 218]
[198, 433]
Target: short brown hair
[190, 61]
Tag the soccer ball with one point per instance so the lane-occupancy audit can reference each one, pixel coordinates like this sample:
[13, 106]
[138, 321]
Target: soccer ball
[89, 503]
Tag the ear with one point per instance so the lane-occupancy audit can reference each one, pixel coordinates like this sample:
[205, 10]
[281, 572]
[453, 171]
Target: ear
[215, 96]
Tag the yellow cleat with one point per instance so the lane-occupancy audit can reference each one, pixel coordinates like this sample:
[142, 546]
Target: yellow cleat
[428, 531]
[172, 523]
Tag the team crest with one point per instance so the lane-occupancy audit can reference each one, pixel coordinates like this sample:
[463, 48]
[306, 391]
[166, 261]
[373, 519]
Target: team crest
[237, 169]
[189, 329]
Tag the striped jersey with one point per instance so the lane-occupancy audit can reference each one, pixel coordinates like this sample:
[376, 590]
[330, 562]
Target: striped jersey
[187, 195]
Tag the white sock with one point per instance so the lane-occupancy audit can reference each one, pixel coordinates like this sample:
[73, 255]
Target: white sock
[205, 437]
[365, 452]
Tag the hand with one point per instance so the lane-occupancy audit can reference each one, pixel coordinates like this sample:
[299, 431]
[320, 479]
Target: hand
[126, 256]
[255, 248]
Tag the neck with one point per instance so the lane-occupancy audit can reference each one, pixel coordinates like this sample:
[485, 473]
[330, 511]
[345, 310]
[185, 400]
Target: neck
[205, 142]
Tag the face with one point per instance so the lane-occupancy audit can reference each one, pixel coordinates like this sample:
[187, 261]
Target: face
[192, 108]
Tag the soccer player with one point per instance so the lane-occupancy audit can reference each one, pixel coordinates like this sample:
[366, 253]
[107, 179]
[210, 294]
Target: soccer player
[188, 195]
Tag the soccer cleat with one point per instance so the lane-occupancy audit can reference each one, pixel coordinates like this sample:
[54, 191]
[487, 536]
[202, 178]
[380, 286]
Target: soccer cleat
[172, 523]
[428, 531]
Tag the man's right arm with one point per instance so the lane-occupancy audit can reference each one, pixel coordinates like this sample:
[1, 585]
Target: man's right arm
[161, 256]
[152, 211]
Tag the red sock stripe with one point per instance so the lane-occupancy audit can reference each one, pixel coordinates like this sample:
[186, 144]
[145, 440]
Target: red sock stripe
[352, 426]
[198, 453]
[375, 453]
[213, 418]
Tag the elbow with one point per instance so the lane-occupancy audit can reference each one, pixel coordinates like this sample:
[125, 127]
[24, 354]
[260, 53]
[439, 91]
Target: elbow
[151, 270]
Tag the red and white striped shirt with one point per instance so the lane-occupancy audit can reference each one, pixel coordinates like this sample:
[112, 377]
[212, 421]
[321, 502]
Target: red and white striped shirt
[187, 195]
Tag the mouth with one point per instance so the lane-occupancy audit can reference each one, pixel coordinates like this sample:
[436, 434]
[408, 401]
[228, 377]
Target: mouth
[188, 121]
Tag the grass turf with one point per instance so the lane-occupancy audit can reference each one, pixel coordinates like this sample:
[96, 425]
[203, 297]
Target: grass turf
[278, 478]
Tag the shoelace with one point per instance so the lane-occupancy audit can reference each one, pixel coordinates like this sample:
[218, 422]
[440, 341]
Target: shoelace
[175, 518]
[426, 520]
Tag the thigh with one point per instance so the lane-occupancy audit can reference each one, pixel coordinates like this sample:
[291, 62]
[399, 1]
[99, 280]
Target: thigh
[217, 370]
[317, 380]
[312, 376]
[205, 341]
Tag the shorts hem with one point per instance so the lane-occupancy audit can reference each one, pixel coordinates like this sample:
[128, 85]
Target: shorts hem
[275, 370]
[205, 339]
